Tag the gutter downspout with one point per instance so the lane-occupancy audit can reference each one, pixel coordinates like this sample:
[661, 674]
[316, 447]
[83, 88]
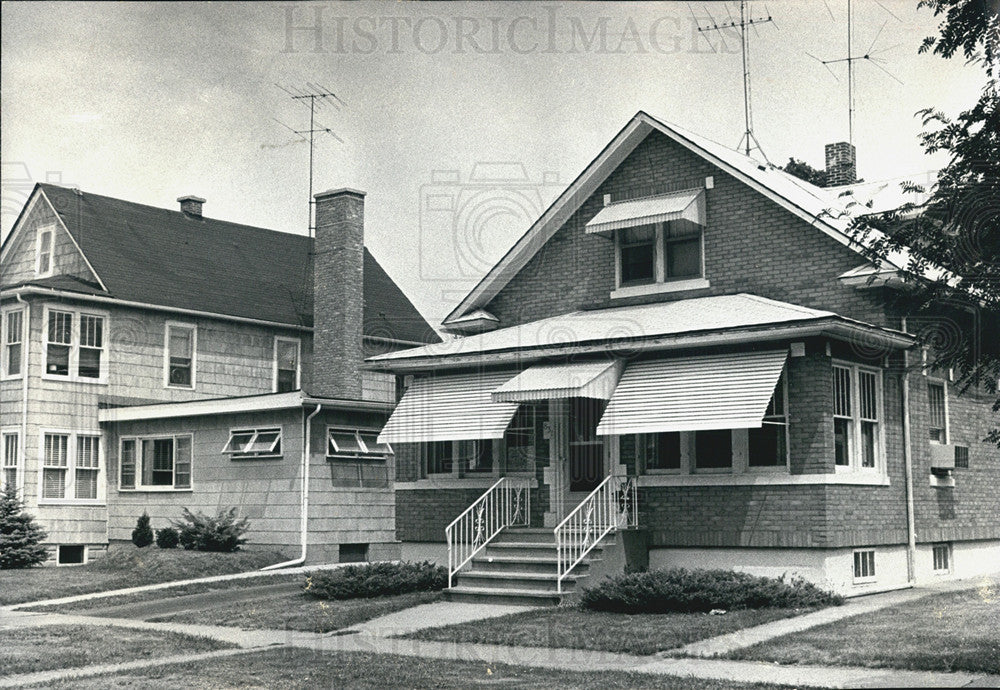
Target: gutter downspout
[22, 442]
[304, 520]
[911, 529]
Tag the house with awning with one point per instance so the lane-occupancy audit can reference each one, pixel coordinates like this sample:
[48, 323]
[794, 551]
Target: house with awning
[676, 366]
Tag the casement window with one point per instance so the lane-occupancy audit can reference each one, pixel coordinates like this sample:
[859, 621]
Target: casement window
[12, 337]
[43, 251]
[180, 355]
[938, 412]
[659, 253]
[713, 450]
[356, 444]
[155, 464]
[767, 447]
[253, 443]
[71, 466]
[75, 345]
[864, 566]
[941, 555]
[10, 446]
[857, 405]
[287, 353]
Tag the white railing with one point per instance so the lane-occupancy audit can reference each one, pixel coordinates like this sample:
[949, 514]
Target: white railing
[609, 507]
[505, 504]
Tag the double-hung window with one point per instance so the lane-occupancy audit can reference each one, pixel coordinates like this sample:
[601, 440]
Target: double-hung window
[659, 253]
[286, 364]
[253, 443]
[767, 447]
[71, 466]
[938, 411]
[12, 326]
[10, 447]
[637, 251]
[179, 360]
[75, 345]
[857, 404]
[155, 464]
[43, 251]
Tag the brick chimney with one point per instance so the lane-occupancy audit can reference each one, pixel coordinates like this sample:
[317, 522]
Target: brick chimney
[338, 293]
[191, 205]
[841, 164]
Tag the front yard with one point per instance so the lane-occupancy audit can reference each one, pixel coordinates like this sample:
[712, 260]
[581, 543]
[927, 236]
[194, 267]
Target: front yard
[576, 628]
[126, 566]
[955, 631]
[28, 650]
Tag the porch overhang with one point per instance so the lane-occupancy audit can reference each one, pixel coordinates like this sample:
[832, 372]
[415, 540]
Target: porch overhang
[550, 381]
[456, 407]
[724, 391]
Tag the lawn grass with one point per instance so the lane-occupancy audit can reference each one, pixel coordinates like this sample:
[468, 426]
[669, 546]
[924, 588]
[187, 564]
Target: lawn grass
[299, 668]
[44, 648]
[167, 593]
[955, 631]
[578, 628]
[125, 565]
[300, 612]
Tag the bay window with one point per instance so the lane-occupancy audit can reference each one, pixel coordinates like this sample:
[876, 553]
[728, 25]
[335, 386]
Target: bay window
[155, 464]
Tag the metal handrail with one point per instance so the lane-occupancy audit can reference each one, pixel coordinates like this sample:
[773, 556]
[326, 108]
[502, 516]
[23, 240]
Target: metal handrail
[505, 504]
[609, 507]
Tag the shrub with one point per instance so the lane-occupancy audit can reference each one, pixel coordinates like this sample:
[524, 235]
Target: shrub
[221, 533]
[679, 590]
[167, 538]
[376, 579]
[20, 535]
[142, 535]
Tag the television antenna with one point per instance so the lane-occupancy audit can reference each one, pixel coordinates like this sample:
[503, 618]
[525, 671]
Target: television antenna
[868, 55]
[748, 141]
[317, 98]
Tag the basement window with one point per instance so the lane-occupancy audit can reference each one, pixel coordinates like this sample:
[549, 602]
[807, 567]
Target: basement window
[941, 554]
[353, 553]
[864, 566]
[71, 554]
[253, 443]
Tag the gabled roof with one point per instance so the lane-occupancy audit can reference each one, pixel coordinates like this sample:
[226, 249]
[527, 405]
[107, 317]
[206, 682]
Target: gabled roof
[812, 204]
[695, 322]
[156, 256]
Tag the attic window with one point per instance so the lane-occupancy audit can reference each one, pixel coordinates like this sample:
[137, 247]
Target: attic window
[658, 254]
[356, 444]
[43, 256]
[253, 443]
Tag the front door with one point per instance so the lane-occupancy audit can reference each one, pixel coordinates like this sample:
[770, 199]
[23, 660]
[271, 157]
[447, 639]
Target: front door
[586, 456]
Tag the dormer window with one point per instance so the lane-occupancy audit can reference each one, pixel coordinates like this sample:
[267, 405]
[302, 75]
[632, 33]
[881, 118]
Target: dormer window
[43, 253]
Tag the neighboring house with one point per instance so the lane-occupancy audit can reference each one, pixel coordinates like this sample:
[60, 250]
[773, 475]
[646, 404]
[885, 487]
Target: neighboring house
[686, 343]
[157, 359]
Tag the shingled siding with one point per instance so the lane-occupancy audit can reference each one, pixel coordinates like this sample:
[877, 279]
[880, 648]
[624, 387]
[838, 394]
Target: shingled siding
[19, 261]
[751, 245]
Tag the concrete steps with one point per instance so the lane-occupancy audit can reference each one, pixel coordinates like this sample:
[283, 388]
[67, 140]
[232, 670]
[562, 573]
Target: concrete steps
[519, 567]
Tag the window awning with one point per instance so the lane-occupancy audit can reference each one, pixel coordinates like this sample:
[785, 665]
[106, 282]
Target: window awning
[688, 394]
[689, 205]
[545, 381]
[456, 407]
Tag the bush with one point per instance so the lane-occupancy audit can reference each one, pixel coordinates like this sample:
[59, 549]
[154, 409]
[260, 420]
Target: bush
[142, 535]
[221, 533]
[679, 590]
[376, 579]
[167, 538]
[20, 535]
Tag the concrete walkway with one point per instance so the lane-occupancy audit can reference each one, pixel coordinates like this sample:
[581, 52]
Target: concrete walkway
[372, 637]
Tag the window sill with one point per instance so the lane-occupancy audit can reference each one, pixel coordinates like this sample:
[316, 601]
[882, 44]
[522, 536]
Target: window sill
[179, 388]
[83, 502]
[242, 458]
[448, 482]
[657, 288]
[75, 379]
[11, 377]
[760, 479]
[156, 490]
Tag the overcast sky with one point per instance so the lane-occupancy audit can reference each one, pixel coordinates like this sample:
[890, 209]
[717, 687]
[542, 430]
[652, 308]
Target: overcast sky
[150, 101]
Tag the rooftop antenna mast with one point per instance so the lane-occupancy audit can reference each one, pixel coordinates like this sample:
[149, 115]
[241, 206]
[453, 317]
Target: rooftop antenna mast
[748, 142]
[315, 97]
[852, 58]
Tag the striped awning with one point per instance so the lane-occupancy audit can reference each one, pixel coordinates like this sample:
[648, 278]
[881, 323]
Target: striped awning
[729, 391]
[455, 407]
[548, 381]
[689, 205]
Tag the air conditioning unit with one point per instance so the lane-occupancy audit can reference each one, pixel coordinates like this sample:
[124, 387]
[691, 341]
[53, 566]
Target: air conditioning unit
[942, 459]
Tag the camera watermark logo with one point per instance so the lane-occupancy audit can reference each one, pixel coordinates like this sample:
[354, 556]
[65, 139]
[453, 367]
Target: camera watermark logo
[16, 184]
[465, 225]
